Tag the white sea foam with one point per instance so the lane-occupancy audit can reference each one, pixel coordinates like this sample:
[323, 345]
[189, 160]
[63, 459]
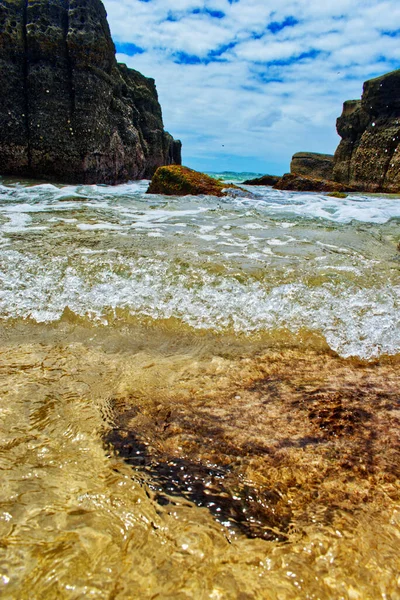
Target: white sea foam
[363, 322]
[98, 226]
[366, 209]
[279, 242]
[347, 298]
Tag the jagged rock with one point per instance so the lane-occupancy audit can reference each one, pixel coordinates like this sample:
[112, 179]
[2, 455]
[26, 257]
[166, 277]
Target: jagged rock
[312, 164]
[68, 111]
[301, 183]
[264, 180]
[368, 157]
[176, 180]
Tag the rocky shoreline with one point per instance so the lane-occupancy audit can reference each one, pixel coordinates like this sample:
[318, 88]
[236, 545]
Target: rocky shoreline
[366, 160]
[70, 113]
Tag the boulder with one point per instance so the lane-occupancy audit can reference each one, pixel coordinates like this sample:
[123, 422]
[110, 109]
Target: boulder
[176, 180]
[301, 183]
[264, 180]
[68, 110]
[312, 164]
[368, 157]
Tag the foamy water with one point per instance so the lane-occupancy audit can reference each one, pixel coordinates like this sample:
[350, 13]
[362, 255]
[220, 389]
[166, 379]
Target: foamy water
[264, 261]
[172, 422]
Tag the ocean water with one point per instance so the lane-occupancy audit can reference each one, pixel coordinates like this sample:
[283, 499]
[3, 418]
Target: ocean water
[233, 176]
[255, 263]
[251, 342]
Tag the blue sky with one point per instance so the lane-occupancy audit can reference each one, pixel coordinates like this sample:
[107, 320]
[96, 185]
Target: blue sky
[247, 83]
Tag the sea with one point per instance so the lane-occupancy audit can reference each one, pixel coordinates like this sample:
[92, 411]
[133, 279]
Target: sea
[200, 396]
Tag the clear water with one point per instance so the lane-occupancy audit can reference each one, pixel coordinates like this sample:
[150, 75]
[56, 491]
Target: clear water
[111, 298]
[274, 260]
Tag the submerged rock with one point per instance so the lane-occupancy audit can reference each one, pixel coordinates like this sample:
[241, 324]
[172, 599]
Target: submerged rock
[68, 110]
[368, 157]
[176, 180]
[312, 164]
[301, 183]
[265, 441]
[264, 180]
[337, 195]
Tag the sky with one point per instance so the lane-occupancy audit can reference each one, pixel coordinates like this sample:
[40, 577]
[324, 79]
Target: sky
[247, 83]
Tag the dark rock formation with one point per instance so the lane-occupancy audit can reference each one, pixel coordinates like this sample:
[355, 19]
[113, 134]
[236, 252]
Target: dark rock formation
[368, 157]
[68, 111]
[182, 181]
[312, 164]
[301, 183]
[264, 180]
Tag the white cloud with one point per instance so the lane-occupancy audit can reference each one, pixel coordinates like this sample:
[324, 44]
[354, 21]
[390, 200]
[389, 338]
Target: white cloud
[244, 92]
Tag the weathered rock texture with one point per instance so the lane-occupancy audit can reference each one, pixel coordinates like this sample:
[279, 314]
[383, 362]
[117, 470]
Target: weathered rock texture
[368, 157]
[301, 183]
[68, 110]
[175, 180]
[264, 180]
[312, 164]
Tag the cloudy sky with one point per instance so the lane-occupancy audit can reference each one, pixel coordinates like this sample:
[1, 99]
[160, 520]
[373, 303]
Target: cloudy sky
[246, 83]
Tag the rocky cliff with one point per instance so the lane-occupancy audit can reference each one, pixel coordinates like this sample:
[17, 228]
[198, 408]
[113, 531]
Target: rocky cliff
[368, 157]
[312, 164]
[68, 110]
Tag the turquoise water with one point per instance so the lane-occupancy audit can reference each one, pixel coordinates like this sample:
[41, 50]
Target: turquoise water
[234, 177]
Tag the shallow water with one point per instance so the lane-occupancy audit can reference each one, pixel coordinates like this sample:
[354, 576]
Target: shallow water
[199, 396]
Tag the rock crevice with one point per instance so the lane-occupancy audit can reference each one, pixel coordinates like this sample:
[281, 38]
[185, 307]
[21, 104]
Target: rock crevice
[25, 80]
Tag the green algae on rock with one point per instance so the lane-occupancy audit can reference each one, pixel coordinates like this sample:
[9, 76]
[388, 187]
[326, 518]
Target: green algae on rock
[176, 180]
[68, 110]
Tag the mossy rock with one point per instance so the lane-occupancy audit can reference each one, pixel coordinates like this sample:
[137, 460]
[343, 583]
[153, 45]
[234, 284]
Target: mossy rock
[176, 180]
[337, 195]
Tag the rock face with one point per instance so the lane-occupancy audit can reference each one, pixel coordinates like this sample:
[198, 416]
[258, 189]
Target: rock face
[264, 180]
[68, 110]
[312, 164]
[368, 157]
[182, 181]
[301, 183]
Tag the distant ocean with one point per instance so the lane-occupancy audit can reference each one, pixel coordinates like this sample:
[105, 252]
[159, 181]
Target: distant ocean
[233, 177]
